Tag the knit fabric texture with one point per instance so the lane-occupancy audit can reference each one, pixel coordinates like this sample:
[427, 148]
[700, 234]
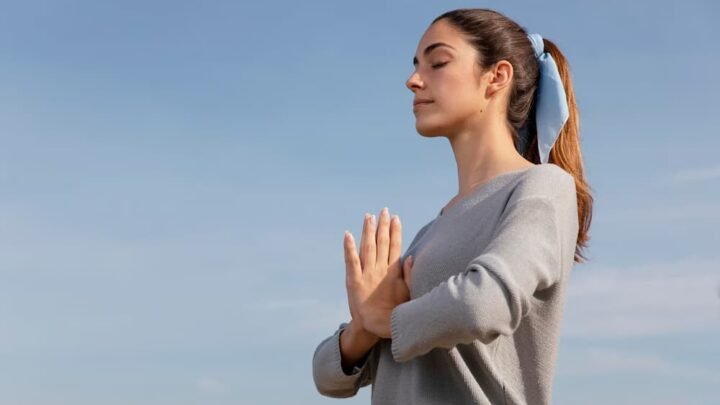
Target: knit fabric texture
[483, 322]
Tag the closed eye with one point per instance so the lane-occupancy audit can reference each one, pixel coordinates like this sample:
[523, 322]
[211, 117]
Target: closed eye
[439, 65]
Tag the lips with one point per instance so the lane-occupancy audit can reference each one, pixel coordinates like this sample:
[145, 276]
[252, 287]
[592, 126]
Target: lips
[421, 105]
[421, 101]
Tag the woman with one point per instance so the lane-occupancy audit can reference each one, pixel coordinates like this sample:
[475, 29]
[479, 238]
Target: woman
[472, 312]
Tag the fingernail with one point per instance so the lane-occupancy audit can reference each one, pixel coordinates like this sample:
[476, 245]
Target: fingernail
[372, 219]
[385, 211]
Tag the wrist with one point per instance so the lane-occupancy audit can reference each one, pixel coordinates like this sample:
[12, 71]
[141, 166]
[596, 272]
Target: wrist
[377, 323]
[359, 334]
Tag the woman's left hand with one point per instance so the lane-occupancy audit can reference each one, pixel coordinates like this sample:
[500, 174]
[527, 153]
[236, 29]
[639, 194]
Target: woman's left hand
[407, 270]
[374, 279]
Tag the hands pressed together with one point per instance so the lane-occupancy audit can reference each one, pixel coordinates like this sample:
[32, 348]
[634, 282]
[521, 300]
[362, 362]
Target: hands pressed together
[376, 281]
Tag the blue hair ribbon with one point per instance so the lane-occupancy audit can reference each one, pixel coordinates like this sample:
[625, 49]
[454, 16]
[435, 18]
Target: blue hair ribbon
[551, 108]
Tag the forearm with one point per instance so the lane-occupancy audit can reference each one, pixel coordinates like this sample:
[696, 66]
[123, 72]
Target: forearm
[355, 345]
[496, 290]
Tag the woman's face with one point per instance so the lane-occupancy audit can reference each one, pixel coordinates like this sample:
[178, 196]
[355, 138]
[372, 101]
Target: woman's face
[450, 76]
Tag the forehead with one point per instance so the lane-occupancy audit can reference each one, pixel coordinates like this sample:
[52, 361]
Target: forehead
[442, 32]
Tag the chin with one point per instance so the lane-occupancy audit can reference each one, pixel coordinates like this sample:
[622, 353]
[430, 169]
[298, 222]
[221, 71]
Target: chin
[430, 134]
[430, 128]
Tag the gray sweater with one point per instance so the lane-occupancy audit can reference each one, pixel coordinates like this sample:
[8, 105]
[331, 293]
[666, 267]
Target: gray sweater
[483, 322]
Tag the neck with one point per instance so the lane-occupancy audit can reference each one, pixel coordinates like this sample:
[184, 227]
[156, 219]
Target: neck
[483, 152]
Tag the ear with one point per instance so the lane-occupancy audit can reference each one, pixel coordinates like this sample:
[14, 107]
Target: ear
[501, 75]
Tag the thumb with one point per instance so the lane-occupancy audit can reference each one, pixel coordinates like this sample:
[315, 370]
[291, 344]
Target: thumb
[407, 267]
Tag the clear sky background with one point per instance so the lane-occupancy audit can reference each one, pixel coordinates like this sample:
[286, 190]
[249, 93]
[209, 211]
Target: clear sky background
[176, 177]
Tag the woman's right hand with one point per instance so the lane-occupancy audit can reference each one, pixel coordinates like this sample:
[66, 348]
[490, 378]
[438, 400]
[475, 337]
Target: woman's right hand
[379, 254]
[356, 327]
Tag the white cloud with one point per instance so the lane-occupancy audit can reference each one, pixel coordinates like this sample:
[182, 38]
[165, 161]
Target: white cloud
[600, 360]
[290, 304]
[694, 174]
[210, 385]
[643, 300]
[653, 210]
[678, 212]
[300, 317]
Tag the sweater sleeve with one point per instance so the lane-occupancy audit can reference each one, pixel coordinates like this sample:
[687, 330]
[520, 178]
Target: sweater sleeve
[328, 374]
[494, 292]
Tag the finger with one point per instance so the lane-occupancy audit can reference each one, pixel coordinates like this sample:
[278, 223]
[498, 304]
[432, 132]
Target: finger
[369, 249]
[383, 238]
[352, 262]
[363, 256]
[407, 265]
[395, 241]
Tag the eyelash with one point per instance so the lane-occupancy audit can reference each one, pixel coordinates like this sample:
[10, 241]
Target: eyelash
[439, 65]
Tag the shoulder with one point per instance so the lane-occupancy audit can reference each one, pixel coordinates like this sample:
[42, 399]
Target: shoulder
[546, 192]
[545, 181]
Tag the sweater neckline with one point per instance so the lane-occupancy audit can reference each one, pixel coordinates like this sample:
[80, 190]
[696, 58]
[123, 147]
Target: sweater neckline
[478, 189]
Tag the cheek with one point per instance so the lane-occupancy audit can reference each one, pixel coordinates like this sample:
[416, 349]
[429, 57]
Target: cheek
[458, 95]
[459, 104]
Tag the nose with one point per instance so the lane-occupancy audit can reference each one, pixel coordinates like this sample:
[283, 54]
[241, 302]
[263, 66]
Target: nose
[413, 82]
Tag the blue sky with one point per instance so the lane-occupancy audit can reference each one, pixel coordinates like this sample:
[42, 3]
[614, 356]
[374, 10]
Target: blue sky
[176, 177]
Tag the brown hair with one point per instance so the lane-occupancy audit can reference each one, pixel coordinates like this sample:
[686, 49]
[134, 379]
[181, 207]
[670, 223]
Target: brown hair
[496, 37]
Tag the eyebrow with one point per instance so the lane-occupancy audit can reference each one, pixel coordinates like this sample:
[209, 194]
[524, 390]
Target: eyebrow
[430, 48]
